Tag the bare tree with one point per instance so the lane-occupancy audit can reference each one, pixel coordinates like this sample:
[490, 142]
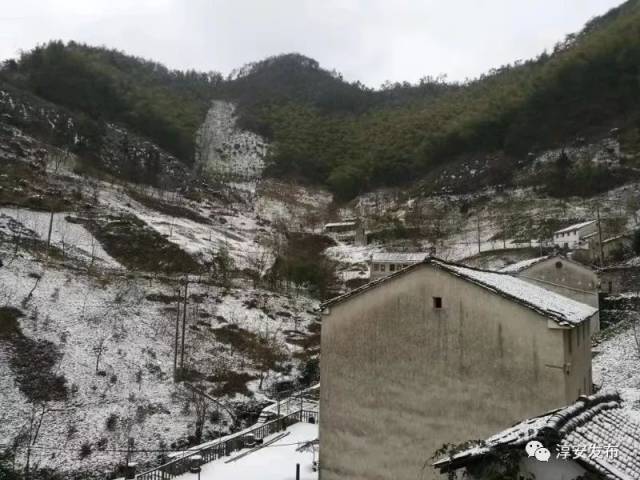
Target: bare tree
[201, 408]
[258, 261]
[99, 349]
[56, 158]
[269, 353]
[32, 432]
[632, 206]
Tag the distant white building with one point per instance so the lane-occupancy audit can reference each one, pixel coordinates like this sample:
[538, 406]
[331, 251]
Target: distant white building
[383, 264]
[574, 235]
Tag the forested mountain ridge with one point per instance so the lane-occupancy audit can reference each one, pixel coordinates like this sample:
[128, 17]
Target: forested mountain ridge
[325, 130]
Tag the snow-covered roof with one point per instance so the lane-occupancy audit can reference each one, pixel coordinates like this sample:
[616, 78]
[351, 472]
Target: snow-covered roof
[525, 264]
[399, 257]
[339, 224]
[631, 263]
[595, 420]
[559, 308]
[626, 235]
[522, 265]
[575, 226]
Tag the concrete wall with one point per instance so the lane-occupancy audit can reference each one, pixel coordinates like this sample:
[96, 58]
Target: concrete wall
[610, 249]
[571, 280]
[577, 348]
[401, 378]
[616, 280]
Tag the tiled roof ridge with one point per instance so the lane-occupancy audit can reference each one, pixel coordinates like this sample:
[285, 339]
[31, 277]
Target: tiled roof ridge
[461, 271]
[566, 420]
[559, 317]
[575, 226]
[524, 264]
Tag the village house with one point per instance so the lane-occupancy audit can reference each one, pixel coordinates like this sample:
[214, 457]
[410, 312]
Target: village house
[561, 275]
[439, 353]
[620, 278]
[350, 231]
[573, 236]
[592, 438]
[383, 263]
[614, 249]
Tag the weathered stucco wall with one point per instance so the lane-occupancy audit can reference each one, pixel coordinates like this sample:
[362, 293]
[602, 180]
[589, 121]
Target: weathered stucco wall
[577, 348]
[616, 280]
[400, 378]
[571, 280]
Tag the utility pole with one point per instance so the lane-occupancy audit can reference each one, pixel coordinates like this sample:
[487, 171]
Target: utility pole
[278, 413]
[175, 349]
[184, 322]
[600, 236]
[478, 230]
[50, 230]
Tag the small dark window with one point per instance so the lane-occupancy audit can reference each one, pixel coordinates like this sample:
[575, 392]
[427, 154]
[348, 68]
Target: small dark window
[376, 267]
[437, 302]
[558, 264]
[382, 267]
[392, 267]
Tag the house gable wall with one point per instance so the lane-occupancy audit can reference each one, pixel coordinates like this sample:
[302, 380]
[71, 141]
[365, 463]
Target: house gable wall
[571, 280]
[400, 378]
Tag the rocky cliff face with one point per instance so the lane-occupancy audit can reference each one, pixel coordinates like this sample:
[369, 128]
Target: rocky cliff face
[106, 146]
[226, 152]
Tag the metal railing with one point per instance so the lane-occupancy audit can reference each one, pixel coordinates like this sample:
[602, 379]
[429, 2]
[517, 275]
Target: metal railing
[226, 447]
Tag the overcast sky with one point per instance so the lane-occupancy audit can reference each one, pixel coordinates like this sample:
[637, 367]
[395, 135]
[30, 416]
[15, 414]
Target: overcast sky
[367, 40]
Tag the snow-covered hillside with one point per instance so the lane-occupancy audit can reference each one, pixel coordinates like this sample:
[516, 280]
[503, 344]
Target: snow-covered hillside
[97, 306]
[132, 319]
[104, 330]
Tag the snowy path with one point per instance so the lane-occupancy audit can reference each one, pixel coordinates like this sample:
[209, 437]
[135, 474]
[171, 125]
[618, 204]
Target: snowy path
[276, 461]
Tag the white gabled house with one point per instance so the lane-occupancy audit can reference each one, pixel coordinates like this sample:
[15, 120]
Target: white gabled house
[574, 235]
[386, 263]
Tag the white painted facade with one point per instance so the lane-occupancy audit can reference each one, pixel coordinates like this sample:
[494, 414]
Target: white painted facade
[383, 264]
[573, 236]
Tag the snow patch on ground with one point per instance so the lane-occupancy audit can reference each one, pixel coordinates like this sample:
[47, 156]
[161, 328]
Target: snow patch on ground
[616, 366]
[70, 237]
[276, 461]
